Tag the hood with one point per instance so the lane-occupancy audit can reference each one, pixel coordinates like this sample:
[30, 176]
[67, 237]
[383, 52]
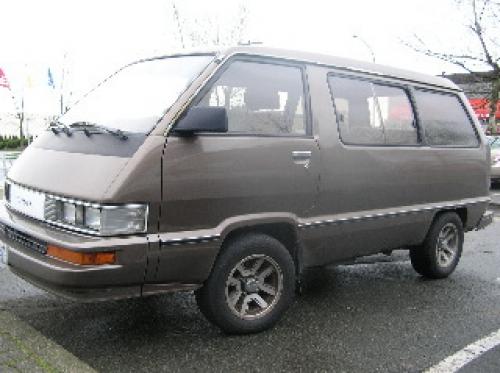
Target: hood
[76, 166]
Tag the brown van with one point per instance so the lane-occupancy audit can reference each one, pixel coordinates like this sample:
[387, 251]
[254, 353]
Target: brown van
[230, 173]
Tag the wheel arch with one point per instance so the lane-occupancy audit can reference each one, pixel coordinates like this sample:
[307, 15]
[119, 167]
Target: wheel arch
[283, 229]
[460, 211]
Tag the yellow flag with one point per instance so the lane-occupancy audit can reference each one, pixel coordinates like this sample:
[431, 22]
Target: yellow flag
[29, 81]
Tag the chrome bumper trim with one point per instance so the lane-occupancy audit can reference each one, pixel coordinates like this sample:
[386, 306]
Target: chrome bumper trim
[388, 214]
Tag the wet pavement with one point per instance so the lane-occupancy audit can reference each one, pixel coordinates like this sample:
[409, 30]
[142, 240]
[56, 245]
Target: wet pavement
[377, 315]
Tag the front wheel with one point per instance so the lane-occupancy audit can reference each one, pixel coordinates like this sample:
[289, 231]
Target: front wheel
[438, 256]
[251, 285]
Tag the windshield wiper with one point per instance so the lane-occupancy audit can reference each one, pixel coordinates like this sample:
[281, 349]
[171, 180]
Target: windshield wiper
[89, 128]
[57, 127]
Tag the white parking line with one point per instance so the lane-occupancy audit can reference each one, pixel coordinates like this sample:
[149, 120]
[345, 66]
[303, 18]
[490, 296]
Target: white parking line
[456, 361]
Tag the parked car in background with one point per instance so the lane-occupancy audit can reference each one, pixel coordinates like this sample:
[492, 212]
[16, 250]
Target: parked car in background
[495, 158]
[231, 172]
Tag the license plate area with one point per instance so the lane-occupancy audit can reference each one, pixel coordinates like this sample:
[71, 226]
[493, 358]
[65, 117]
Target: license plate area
[28, 202]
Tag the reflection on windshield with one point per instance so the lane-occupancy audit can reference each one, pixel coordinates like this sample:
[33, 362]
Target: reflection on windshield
[135, 97]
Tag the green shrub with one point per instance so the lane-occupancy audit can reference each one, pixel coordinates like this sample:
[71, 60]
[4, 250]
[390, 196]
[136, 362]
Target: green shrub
[13, 142]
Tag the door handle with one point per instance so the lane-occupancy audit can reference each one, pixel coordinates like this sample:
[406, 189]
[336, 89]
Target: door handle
[302, 157]
[296, 155]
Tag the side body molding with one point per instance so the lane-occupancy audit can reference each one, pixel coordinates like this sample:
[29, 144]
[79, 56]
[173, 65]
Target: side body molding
[193, 253]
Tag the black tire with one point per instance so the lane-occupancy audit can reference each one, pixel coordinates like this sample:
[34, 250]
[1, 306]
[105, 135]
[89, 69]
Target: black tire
[214, 297]
[427, 258]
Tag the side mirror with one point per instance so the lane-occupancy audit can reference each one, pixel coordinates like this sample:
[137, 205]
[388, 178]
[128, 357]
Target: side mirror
[202, 119]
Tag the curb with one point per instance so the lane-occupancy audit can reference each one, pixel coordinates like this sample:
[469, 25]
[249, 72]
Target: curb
[43, 354]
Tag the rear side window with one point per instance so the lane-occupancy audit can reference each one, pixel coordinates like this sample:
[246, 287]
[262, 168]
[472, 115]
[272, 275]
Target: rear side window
[444, 120]
[371, 113]
[260, 98]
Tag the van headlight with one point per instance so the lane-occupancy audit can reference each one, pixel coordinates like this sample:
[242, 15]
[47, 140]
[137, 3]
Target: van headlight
[105, 220]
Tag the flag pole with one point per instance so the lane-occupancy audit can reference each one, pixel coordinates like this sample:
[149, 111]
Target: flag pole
[27, 134]
[21, 117]
[61, 98]
[61, 93]
[20, 111]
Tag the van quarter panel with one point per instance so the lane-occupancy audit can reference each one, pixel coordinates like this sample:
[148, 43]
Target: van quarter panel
[370, 180]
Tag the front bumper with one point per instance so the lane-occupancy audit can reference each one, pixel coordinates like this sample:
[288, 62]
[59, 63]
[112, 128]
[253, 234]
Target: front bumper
[26, 238]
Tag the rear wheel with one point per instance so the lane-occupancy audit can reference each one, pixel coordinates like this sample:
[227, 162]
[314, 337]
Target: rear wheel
[440, 253]
[251, 285]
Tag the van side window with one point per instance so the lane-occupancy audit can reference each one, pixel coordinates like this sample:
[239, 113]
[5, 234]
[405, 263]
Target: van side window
[444, 120]
[370, 113]
[397, 115]
[260, 98]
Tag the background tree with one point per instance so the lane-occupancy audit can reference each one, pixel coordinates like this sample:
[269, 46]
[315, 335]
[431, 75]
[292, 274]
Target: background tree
[208, 31]
[479, 49]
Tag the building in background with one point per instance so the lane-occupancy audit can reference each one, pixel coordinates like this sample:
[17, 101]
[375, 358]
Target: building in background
[477, 88]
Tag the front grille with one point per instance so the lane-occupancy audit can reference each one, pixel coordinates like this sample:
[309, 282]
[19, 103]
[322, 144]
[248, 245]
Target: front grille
[24, 239]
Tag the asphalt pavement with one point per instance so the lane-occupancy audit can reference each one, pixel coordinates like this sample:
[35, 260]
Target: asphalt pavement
[376, 315]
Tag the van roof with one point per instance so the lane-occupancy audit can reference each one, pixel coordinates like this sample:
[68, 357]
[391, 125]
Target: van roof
[343, 63]
[340, 62]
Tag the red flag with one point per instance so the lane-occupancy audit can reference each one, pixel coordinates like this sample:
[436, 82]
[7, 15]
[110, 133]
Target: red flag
[3, 80]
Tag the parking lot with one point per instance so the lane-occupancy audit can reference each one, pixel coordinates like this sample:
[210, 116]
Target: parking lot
[376, 315]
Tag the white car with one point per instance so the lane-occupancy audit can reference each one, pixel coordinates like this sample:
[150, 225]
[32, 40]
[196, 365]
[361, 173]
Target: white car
[495, 158]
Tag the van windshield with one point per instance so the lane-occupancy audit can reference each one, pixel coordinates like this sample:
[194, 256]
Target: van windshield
[136, 97]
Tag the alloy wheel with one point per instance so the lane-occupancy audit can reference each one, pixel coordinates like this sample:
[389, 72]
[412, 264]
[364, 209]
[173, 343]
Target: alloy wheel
[254, 286]
[447, 244]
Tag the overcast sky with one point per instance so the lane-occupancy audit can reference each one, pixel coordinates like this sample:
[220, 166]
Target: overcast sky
[99, 36]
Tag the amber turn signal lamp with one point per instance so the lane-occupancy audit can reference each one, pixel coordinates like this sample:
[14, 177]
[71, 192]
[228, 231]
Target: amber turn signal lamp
[97, 258]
